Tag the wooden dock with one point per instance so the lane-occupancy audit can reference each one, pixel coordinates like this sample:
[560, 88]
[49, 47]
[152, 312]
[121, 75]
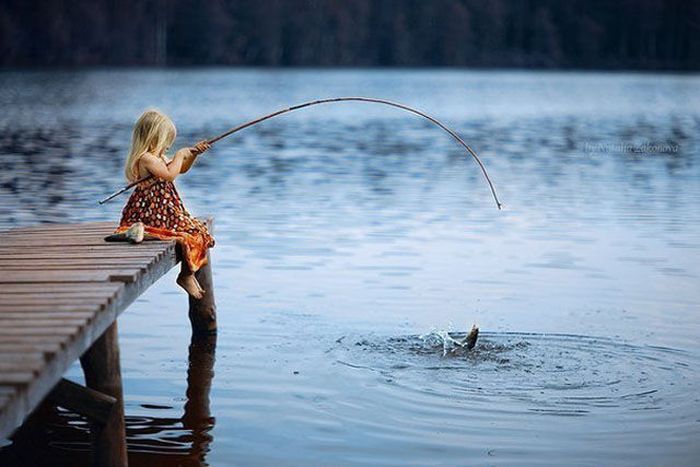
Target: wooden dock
[62, 288]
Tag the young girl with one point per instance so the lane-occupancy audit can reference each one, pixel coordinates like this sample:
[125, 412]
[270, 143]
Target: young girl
[156, 203]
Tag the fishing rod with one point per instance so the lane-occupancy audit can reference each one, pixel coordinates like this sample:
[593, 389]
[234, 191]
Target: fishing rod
[328, 101]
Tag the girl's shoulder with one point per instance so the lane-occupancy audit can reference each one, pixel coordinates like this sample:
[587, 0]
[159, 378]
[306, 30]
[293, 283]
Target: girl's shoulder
[144, 162]
[149, 156]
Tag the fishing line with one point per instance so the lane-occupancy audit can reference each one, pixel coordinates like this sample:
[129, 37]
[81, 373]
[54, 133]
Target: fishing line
[243, 126]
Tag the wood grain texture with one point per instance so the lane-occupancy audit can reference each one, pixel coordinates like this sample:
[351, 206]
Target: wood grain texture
[103, 374]
[61, 287]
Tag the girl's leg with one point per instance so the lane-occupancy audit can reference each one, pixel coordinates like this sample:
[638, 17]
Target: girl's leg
[187, 268]
[187, 281]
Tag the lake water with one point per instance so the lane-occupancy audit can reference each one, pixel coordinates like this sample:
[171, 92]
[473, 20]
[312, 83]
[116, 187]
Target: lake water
[346, 232]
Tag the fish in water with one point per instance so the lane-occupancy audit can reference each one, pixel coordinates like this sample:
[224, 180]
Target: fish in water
[470, 340]
[452, 344]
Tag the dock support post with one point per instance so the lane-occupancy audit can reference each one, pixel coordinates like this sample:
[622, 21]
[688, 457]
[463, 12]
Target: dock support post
[203, 311]
[103, 373]
[91, 404]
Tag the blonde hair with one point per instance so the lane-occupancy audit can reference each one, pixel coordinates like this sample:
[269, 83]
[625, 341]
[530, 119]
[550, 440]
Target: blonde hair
[154, 132]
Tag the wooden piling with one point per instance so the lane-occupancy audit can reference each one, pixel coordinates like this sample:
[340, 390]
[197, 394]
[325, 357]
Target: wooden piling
[202, 312]
[103, 373]
[87, 402]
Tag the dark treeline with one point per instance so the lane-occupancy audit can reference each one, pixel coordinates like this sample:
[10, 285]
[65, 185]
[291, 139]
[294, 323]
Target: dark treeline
[614, 34]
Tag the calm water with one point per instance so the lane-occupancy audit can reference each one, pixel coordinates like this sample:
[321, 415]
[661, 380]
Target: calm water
[346, 232]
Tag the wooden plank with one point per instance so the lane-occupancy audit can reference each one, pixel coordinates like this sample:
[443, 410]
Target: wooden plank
[78, 289]
[25, 339]
[22, 357]
[46, 228]
[25, 322]
[98, 238]
[16, 377]
[67, 268]
[67, 234]
[95, 235]
[72, 241]
[44, 344]
[99, 247]
[84, 253]
[47, 233]
[49, 308]
[125, 275]
[58, 332]
[48, 348]
[58, 298]
[52, 264]
[76, 298]
[79, 255]
[31, 367]
[62, 226]
[67, 287]
[12, 362]
[104, 295]
[58, 315]
[78, 258]
[67, 254]
[53, 240]
[9, 301]
[93, 261]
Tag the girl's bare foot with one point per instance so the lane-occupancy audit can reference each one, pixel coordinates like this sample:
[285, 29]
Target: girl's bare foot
[198, 285]
[189, 283]
[201, 289]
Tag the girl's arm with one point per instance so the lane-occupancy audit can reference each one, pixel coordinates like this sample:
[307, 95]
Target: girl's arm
[160, 169]
[198, 149]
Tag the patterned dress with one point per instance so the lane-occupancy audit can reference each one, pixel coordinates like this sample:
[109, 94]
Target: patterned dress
[157, 204]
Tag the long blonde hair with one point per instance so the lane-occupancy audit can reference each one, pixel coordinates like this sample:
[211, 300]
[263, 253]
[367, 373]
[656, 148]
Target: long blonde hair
[154, 132]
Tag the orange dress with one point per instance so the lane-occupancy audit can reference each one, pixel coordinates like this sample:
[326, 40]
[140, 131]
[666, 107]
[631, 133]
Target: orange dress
[159, 207]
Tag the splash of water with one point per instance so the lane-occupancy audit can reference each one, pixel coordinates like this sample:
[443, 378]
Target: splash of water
[452, 343]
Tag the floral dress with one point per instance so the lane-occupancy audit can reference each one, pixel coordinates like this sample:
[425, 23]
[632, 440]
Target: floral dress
[157, 204]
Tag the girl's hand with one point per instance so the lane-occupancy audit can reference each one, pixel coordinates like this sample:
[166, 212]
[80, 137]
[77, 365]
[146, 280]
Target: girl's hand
[192, 154]
[200, 147]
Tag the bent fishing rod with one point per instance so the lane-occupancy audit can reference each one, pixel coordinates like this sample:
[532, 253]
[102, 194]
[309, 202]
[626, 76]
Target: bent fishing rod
[243, 126]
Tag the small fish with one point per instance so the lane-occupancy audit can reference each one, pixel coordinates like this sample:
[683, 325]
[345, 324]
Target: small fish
[470, 340]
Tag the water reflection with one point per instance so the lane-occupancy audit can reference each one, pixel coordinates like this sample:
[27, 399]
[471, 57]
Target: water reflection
[359, 219]
[151, 440]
